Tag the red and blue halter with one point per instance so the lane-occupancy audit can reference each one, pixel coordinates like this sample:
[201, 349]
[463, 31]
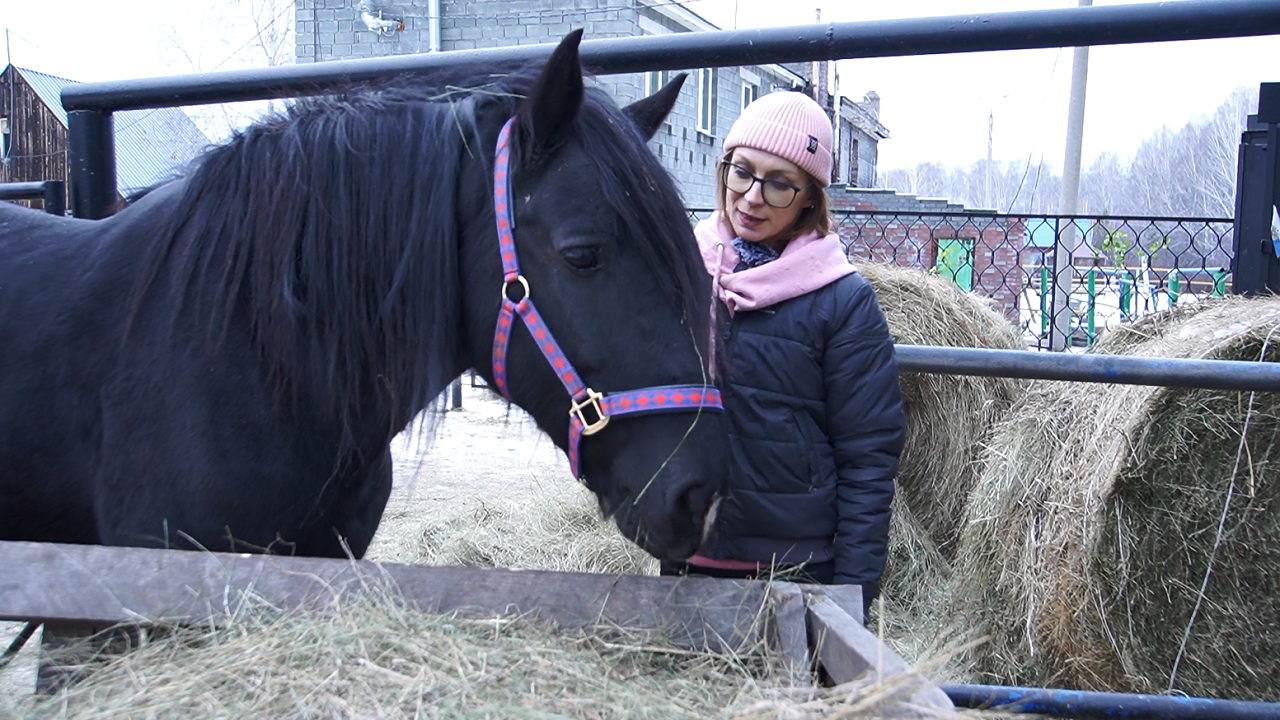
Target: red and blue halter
[672, 398]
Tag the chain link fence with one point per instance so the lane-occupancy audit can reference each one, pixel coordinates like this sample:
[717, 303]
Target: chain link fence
[1121, 268]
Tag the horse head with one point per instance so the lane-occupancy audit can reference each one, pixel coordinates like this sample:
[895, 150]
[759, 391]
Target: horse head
[606, 251]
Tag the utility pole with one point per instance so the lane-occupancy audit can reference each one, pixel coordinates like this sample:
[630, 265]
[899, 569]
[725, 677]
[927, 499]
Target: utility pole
[1064, 272]
[986, 176]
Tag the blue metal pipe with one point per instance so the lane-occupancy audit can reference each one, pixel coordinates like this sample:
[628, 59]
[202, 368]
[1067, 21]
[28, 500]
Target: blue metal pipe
[1116, 369]
[1107, 706]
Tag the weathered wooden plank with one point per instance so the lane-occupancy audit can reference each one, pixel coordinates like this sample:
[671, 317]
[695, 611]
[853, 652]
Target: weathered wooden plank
[791, 633]
[847, 597]
[107, 585]
[849, 651]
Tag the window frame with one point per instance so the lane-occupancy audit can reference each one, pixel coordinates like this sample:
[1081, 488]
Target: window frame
[653, 81]
[707, 101]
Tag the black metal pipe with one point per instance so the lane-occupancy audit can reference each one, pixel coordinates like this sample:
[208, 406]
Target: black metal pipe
[91, 155]
[51, 192]
[1107, 706]
[55, 197]
[1118, 369]
[21, 190]
[1022, 30]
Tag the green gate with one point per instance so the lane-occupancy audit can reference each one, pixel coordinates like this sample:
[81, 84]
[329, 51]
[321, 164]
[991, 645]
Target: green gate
[955, 261]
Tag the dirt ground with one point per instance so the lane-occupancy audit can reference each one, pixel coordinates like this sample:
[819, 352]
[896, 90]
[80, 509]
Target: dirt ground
[484, 450]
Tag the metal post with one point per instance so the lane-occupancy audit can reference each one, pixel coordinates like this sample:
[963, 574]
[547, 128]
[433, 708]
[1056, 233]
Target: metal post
[55, 197]
[456, 388]
[91, 154]
[1219, 283]
[1175, 288]
[1255, 262]
[1044, 299]
[1126, 295]
[1093, 303]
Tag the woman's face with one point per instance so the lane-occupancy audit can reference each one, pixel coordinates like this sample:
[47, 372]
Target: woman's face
[752, 217]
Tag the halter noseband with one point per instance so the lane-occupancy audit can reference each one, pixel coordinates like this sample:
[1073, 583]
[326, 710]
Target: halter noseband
[584, 400]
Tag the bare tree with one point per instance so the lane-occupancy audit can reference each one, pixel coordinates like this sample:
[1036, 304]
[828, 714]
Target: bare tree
[227, 35]
[1173, 173]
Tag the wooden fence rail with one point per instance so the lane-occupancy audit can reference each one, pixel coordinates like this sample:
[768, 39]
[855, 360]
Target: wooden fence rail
[74, 589]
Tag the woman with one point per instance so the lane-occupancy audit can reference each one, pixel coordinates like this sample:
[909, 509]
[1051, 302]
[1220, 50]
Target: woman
[816, 414]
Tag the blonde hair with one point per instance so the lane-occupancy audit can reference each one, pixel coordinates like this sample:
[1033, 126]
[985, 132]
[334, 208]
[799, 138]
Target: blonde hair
[814, 218]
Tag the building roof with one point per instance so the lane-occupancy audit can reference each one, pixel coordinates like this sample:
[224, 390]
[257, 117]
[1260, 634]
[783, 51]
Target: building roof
[150, 144]
[862, 118]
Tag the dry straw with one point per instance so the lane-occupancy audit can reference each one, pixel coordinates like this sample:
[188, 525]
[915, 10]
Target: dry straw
[366, 656]
[555, 527]
[949, 420]
[1126, 538]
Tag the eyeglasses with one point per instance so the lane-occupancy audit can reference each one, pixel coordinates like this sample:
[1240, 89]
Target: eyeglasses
[776, 193]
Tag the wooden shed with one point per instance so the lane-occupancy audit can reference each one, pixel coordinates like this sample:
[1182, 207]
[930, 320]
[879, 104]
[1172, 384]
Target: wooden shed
[150, 144]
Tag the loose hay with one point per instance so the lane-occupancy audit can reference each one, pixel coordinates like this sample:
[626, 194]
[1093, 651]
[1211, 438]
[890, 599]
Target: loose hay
[949, 420]
[1089, 536]
[557, 527]
[367, 657]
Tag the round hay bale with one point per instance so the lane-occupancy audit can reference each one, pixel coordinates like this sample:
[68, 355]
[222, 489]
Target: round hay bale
[949, 420]
[1105, 510]
[949, 417]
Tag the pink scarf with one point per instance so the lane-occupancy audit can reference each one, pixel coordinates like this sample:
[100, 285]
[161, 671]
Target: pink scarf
[807, 263]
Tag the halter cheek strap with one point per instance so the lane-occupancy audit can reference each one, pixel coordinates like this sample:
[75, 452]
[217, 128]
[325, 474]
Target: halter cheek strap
[589, 411]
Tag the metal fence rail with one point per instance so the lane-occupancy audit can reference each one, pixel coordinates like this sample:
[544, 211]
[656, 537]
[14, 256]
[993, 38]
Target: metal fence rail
[51, 193]
[90, 106]
[1021, 30]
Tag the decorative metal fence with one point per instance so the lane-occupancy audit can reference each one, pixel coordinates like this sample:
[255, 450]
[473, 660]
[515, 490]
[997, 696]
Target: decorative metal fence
[1121, 267]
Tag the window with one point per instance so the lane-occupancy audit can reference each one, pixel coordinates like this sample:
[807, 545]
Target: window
[653, 82]
[749, 94]
[707, 101]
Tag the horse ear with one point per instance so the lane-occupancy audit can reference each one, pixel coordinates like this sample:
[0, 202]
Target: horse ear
[651, 111]
[556, 96]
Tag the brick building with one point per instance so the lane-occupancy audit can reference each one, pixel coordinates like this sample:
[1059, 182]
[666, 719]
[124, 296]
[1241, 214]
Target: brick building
[690, 141]
[980, 251]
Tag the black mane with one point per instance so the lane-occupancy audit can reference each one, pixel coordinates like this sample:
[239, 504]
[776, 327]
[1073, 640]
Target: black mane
[332, 228]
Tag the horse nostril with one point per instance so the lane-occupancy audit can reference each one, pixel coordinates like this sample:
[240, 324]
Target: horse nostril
[695, 503]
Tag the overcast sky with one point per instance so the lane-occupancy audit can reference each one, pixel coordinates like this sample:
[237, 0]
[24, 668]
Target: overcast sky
[936, 107]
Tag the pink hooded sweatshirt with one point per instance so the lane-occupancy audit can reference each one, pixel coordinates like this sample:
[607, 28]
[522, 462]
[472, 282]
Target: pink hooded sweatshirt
[807, 263]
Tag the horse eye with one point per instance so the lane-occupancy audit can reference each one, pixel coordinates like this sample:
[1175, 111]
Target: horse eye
[582, 258]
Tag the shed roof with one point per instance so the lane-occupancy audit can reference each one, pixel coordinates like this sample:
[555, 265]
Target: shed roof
[150, 144]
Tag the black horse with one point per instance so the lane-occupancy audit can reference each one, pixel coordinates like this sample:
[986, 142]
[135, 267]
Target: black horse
[224, 363]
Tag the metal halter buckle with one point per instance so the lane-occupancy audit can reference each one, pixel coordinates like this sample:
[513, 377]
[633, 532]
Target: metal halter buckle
[593, 401]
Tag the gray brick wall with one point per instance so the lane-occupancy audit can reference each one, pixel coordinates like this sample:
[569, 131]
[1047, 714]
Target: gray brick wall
[333, 30]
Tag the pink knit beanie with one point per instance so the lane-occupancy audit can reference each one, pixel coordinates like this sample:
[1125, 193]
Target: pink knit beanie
[790, 125]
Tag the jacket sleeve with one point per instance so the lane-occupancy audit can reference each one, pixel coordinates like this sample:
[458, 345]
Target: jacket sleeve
[866, 423]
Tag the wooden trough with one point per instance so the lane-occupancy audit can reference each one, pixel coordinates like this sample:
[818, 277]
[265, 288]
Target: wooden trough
[78, 590]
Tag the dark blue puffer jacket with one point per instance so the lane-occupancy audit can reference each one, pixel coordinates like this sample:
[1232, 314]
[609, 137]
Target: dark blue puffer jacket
[816, 428]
